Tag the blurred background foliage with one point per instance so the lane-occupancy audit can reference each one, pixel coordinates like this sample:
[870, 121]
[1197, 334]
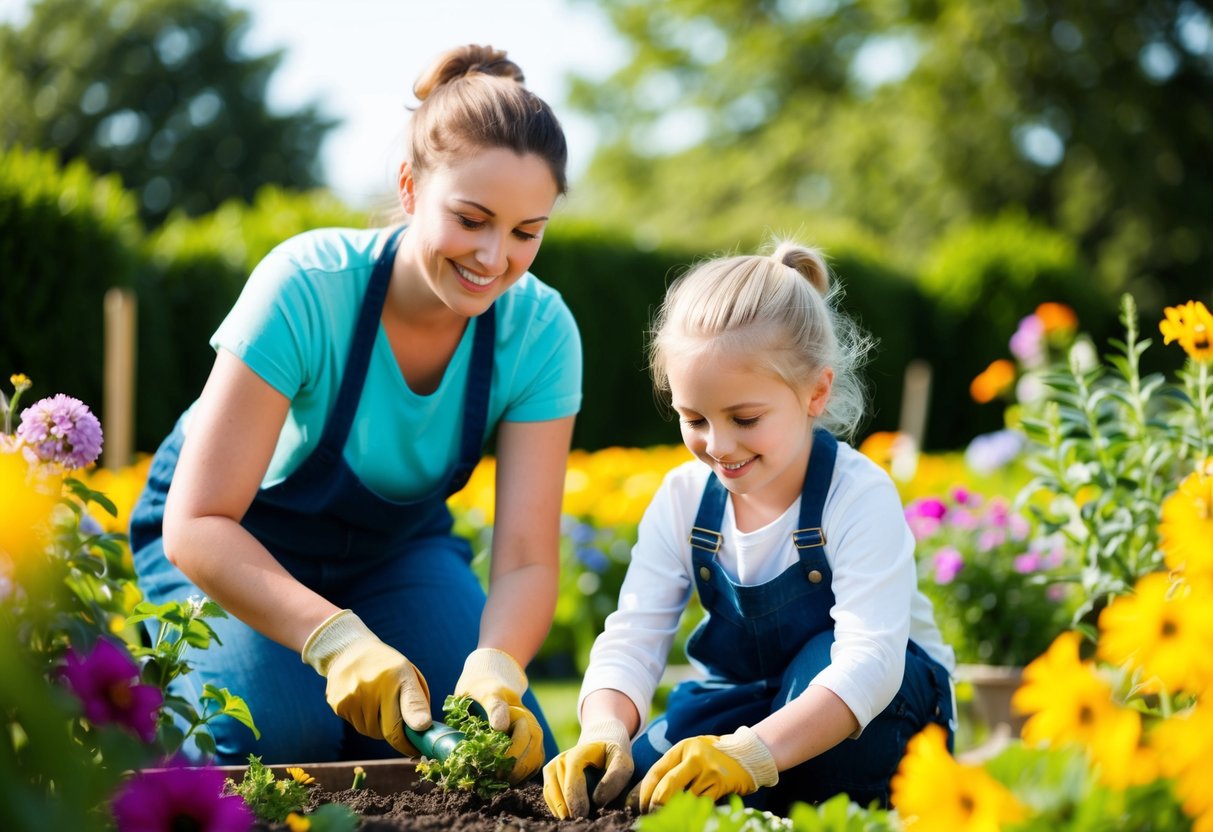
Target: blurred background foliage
[911, 118]
[160, 92]
[960, 161]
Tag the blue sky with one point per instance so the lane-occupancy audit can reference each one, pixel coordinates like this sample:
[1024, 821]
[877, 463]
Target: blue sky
[357, 59]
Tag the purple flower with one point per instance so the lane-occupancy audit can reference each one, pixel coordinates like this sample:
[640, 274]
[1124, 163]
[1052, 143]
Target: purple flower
[948, 562]
[964, 497]
[991, 539]
[592, 559]
[991, 451]
[175, 798]
[105, 682]
[1028, 342]
[60, 430]
[932, 507]
[963, 519]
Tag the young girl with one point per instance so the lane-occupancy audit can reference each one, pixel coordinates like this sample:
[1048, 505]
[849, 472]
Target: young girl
[354, 386]
[820, 657]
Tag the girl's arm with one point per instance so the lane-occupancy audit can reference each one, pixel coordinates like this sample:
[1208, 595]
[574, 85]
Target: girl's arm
[606, 703]
[810, 724]
[531, 462]
[233, 430]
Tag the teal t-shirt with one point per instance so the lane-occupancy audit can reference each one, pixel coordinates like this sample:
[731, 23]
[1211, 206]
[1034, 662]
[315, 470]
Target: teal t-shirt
[293, 325]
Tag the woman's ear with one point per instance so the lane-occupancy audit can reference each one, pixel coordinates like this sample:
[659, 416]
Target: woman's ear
[405, 187]
[819, 394]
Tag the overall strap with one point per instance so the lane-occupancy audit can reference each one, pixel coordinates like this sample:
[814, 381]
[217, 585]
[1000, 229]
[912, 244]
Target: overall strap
[705, 535]
[817, 479]
[366, 329]
[476, 405]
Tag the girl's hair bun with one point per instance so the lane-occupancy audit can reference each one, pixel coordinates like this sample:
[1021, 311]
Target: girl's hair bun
[808, 261]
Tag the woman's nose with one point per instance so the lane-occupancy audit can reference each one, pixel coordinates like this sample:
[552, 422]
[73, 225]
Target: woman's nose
[492, 255]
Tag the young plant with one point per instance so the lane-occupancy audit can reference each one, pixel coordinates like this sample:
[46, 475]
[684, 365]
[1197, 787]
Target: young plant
[479, 763]
[269, 798]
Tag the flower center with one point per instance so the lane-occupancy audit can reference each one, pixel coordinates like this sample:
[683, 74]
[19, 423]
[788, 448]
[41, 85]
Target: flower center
[1086, 716]
[119, 694]
[184, 823]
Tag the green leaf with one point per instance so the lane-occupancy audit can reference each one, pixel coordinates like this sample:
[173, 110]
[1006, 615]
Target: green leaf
[230, 705]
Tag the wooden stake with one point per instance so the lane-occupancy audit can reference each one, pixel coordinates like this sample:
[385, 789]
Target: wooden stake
[119, 404]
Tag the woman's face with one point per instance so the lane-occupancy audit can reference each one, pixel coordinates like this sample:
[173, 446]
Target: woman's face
[476, 224]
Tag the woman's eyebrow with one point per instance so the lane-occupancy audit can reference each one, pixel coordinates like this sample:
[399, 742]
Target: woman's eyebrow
[492, 213]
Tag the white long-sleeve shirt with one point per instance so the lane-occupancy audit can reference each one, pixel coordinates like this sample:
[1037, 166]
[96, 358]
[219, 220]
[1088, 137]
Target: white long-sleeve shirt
[870, 550]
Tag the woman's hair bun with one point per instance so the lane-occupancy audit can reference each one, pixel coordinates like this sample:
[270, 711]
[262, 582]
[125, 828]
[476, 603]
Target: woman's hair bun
[464, 60]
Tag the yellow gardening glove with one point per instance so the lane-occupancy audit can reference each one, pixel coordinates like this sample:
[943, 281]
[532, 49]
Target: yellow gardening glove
[737, 763]
[370, 684]
[604, 744]
[495, 680]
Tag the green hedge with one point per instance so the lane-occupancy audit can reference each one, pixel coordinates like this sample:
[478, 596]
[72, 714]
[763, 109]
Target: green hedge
[980, 281]
[66, 237]
[194, 271]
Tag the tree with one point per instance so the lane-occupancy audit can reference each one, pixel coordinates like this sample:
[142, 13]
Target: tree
[160, 92]
[911, 118]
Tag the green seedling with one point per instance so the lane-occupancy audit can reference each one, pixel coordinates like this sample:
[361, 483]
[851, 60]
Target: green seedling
[479, 763]
[269, 798]
[359, 778]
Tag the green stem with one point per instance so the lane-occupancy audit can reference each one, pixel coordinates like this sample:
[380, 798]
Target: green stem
[1202, 411]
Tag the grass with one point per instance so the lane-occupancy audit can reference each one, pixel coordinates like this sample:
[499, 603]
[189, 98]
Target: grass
[558, 699]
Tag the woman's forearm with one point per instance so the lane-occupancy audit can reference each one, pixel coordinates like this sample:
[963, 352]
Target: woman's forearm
[239, 574]
[519, 610]
[809, 725]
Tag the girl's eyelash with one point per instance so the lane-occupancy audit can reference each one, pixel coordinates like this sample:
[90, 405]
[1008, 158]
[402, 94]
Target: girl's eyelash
[692, 423]
[747, 423]
[522, 235]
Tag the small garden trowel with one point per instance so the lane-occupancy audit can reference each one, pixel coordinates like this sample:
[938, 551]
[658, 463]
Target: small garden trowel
[436, 742]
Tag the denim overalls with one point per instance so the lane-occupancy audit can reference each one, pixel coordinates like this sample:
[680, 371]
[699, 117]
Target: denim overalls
[394, 563]
[764, 644]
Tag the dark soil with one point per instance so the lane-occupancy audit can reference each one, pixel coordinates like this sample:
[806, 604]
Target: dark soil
[429, 809]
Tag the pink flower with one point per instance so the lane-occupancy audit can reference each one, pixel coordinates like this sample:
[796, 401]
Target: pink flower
[1028, 342]
[1026, 563]
[180, 798]
[932, 507]
[948, 561]
[991, 539]
[105, 682]
[60, 431]
[963, 519]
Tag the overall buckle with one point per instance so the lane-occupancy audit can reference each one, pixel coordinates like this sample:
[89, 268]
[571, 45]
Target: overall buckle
[705, 539]
[809, 538]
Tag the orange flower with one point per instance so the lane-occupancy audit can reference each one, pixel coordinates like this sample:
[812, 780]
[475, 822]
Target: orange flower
[1056, 317]
[993, 381]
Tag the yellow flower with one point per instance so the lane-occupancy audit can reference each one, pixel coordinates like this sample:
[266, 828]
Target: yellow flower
[1070, 704]
[20, 382]
[931, 791]
[1162, 629]
[1185, 749]
[26, 506]
[297, 822]
[1187, 526]
[300, 776]
[1192, 326]
[993, 381]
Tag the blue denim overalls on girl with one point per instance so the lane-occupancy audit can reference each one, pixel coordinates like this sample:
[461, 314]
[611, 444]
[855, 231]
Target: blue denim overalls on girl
[396, 564]
[764, 644]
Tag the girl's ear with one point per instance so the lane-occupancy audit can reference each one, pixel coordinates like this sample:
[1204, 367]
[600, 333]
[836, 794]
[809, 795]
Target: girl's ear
[819, 394]
[405, 187]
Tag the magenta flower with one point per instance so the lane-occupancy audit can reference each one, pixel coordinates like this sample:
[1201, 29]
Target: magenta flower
[60, 430]
[105, 681]
[948, 562]
[180, 798]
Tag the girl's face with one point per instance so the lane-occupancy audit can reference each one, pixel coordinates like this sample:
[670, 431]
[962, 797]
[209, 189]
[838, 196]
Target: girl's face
[476, 224]
[751, 427]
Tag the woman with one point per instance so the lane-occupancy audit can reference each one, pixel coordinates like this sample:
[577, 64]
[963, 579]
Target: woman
[356, 381]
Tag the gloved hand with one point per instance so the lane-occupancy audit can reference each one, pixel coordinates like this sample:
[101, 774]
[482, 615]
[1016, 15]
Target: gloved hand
[737, 763]
[370, 684]
[604, 744]
[495, 680]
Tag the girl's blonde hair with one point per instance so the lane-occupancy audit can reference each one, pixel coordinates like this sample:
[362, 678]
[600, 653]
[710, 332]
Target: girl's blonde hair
[781, 311]
[474, 98]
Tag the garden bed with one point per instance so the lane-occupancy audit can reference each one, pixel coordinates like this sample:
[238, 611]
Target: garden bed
[395, 799]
